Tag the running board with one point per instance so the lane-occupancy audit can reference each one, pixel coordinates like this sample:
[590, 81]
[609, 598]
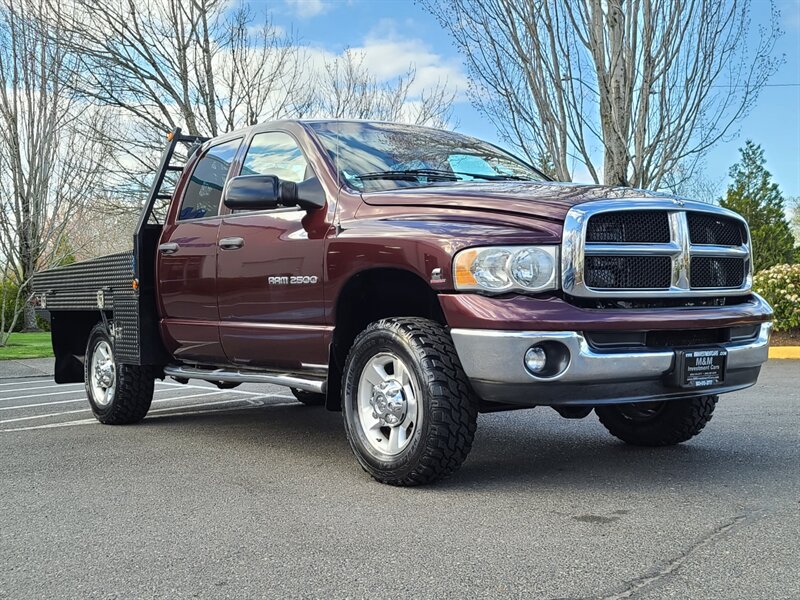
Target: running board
[235, 376]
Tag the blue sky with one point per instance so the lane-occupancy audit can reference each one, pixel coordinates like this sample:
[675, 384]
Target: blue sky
[394, 33]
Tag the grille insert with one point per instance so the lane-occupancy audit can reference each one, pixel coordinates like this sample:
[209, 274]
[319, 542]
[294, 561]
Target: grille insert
[716, 230]
[646, 248]
[620, 272]
[717, 272]
[648, 226]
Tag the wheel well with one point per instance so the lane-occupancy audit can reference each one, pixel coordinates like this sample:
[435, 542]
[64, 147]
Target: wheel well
[370, 296]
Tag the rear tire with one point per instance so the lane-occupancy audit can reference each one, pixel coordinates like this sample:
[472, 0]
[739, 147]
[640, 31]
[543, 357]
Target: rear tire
[119, 394]
[308, 398]
[658, 423]
[409, 411]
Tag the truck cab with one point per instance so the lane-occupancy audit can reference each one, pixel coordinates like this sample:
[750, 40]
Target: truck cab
[412, 278]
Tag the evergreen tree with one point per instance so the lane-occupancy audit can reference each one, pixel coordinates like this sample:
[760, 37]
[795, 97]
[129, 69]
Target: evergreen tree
[757, 198]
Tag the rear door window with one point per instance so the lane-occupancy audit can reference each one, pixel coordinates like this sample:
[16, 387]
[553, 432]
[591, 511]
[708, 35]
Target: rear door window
[204, 190]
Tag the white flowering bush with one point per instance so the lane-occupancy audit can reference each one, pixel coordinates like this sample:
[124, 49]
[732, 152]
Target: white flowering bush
[780, 286]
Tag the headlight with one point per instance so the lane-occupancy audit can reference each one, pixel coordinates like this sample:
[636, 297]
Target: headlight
[507, 268]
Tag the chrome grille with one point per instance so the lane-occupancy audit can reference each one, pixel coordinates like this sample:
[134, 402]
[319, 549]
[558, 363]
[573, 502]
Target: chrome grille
[620, 272]
[717, 272]
[630, 226]
[654, 248]
[705, 228]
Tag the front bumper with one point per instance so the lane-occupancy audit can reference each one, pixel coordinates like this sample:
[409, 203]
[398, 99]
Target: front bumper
[494, 363]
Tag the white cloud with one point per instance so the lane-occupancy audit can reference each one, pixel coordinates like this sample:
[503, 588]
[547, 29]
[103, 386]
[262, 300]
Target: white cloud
[388, 55]
[305, 9]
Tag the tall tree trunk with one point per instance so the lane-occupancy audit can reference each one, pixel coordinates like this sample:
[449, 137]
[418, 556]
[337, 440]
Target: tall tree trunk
[28, 313]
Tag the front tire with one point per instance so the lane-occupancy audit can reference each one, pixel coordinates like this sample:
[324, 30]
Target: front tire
[409, 411]
[119, 394]
[658, 423]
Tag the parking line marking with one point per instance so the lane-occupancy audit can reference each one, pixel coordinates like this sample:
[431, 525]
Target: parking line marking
[163, 412]
[43, 387]
[70, 412]
[179, 414]
[67, 412]
[42, 404]
[39, 395]
[83, 399]
[216, 402]
[54, 425]
[27, 382]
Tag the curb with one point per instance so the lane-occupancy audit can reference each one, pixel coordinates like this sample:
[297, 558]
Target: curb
[18, 368]
[785, 352]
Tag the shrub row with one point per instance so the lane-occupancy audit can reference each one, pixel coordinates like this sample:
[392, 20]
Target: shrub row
[780, 286]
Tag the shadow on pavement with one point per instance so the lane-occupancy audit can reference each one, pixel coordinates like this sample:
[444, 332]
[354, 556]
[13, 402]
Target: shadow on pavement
[509, 450]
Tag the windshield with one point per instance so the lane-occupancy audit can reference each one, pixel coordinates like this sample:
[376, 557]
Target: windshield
[384, 156]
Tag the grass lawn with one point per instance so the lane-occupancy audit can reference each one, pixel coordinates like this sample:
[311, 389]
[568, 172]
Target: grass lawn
[27, 345]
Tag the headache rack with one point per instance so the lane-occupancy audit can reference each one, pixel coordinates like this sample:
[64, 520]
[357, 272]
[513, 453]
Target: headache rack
[120, 287]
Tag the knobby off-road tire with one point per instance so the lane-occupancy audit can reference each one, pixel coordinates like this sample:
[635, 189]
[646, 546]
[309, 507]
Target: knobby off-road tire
[308, 398]
[658, 423]
[119, 394]
[407, 370]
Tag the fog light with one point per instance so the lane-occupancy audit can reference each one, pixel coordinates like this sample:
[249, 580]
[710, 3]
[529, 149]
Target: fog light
[535, 359]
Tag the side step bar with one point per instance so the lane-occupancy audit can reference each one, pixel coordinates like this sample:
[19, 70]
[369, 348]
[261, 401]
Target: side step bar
[236, 376]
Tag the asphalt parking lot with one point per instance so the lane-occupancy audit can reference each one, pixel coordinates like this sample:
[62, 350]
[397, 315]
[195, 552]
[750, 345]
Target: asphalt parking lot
[246, 493]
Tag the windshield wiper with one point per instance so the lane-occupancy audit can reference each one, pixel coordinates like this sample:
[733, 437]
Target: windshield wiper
[492, 177]
[409, 174]
[440, 174]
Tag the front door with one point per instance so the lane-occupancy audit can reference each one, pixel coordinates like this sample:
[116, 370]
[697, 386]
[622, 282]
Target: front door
[187, 261]
[270, 270]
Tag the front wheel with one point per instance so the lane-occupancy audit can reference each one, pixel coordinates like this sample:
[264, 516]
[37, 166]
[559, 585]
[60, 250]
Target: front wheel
[663, 423]
[409, 411]
[119, 394]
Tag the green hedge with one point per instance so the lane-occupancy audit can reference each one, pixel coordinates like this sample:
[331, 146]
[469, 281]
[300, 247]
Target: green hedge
[780, 286]
[8, 290]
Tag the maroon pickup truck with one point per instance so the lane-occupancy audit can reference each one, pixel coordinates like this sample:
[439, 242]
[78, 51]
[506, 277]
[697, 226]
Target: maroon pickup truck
[412, 278]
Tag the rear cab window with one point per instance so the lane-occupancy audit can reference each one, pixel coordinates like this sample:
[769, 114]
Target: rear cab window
[204, 190]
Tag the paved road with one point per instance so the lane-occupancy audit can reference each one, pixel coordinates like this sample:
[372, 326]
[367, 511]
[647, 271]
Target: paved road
[245, 493]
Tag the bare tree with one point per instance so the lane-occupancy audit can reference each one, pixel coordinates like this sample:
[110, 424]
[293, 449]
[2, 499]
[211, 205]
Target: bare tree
[49, 166]
[347, 89]
[206, 66]
[646, 84]
[197, 64]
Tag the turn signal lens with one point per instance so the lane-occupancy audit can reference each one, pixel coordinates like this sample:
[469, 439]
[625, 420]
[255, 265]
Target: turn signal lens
[463, 268]
[507, 268]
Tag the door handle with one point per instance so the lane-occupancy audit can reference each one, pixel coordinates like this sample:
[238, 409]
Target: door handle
[231, 243]
[168, 248]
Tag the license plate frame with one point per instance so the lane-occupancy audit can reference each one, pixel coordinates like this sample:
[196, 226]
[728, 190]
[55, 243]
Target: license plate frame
[698, 368]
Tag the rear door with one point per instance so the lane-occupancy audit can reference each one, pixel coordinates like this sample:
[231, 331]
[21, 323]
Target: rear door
[270, 270]
[187, 261]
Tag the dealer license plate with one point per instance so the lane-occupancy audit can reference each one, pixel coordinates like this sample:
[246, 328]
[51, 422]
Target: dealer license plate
[700, 368]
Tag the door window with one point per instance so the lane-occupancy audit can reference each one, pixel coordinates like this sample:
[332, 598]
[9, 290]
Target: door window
[204, 190]
[276, 153]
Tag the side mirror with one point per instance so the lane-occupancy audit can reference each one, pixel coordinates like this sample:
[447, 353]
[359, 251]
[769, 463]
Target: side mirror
[263, 192]
[252, 192]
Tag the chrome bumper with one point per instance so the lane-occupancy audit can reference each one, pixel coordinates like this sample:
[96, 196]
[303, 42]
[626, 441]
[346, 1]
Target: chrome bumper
[497, 357]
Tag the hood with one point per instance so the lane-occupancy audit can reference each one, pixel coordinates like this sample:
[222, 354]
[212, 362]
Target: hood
[546, 200]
